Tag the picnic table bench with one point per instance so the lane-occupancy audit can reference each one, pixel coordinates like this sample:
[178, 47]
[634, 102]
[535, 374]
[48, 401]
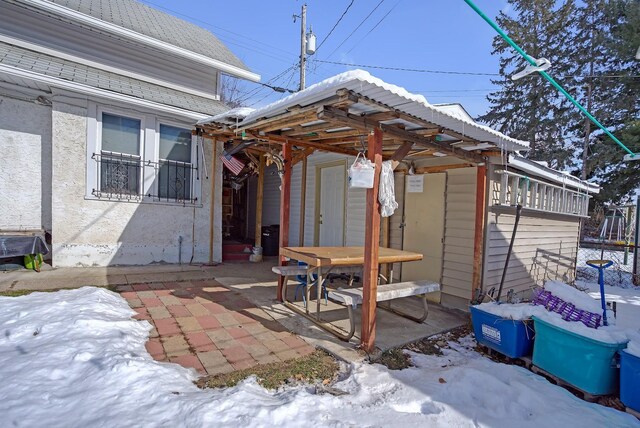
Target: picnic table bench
[352, 298]
[303, 270]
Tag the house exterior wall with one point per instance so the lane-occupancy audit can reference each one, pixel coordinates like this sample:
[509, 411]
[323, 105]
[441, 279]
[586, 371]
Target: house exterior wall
[459, 220]
[46, 32]
[89, 232]
[545, 247]
[25, 163]
[457, 263]
[355, 203]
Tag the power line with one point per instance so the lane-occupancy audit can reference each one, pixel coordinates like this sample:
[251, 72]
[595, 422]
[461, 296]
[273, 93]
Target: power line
[356, 29]
[262, 86]
[463, 73]
[415, 70]
[208, 24]
[376, 26]
[335, 25]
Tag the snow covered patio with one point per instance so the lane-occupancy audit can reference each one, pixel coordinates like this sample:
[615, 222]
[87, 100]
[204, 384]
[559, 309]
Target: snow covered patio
[77, 358]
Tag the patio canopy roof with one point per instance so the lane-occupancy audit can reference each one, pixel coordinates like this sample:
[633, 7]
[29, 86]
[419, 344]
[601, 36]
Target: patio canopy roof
[337, 114]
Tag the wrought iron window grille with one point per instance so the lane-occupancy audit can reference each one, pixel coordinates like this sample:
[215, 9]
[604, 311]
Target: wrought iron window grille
[121, 176]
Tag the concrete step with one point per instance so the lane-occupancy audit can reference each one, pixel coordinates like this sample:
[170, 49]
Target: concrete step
[235, 248]
[230, 257]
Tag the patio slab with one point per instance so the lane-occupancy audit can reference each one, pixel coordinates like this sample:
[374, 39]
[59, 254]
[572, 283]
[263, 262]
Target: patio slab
[256, 284]
[212, 329]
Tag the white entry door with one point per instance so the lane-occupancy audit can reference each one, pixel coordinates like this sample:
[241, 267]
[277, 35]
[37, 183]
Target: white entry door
[330, 212]
[424, 226]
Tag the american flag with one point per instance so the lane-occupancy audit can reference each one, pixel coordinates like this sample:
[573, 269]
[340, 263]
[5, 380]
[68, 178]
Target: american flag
[232, 163]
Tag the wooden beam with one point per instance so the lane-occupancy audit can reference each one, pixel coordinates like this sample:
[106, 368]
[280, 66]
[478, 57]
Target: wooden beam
[302, 143]
[371, 247]
[303, 199]
[212, 206]
[478, 237]
[301, 155]
[260, 191]
[441, 168]
[354, 121]
[285, 208]
[400, 153]
[288, 122]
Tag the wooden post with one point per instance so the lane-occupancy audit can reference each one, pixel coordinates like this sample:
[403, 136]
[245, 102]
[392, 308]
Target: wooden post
[303, 198]
[384, 242]
[478, 238]
[285, 205]
[371, 247]
[260, 191]
[214, 172]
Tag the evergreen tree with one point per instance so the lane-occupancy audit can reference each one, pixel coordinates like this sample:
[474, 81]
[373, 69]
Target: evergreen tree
[607, 59]
[530, 108]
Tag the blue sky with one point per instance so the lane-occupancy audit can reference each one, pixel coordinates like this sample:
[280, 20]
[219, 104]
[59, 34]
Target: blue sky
[443, 35]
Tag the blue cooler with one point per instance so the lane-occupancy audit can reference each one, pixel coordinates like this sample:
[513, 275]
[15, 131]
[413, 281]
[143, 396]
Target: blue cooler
[513, 338]
[581, 361]
[630, 380]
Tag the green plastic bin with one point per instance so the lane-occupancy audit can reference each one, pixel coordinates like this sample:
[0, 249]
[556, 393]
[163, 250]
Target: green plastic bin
[585, 363]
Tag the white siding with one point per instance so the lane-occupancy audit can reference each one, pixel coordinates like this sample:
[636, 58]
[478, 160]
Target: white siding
[73, 40]
[460, 205]
[545, 247]
[355, 204]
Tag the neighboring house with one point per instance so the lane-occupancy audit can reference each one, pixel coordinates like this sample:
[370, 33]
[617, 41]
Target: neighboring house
[97, 104]
[460, 215]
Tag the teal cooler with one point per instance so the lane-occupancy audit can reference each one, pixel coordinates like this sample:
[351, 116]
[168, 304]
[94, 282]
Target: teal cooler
[513, 338]
[583, 362]
[630, 380]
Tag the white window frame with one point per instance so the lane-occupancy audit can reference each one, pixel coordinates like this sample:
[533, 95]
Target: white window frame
[149, 151]
[196, 179]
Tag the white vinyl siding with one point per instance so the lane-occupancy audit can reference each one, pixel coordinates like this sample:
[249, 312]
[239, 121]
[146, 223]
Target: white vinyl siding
[545, 247]
[459, 229]
[355, 204]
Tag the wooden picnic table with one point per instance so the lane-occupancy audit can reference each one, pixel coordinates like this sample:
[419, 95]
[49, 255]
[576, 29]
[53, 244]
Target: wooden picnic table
[317, 257]
[345, 256]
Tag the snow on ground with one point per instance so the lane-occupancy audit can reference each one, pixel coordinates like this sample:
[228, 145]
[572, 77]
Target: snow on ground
[627, 303]
[619, 274]
[76, 358]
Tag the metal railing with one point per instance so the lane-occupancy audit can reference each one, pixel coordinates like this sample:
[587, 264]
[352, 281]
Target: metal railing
[121, 176]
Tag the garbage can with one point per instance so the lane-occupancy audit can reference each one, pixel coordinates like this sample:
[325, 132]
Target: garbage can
[270, 240]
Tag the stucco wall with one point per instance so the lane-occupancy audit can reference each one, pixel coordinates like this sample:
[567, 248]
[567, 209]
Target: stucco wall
[98, 232]
[25, 166]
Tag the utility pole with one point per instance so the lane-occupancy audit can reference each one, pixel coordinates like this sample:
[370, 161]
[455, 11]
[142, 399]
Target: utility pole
[587, 129]
[303, 46]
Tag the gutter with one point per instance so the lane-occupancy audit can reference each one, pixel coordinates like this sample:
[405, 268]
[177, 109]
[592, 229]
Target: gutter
[91, 91]
[140, 38]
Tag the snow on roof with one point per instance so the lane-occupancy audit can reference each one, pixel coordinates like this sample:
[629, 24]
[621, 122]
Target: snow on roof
[455, 110]
[363, 83]
[540, 169]
[229, 117]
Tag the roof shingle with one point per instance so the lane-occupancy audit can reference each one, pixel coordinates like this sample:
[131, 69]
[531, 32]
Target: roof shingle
[151, 22]
[47, 65]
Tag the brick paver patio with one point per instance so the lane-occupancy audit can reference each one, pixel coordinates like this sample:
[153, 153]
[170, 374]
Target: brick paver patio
[206, 326]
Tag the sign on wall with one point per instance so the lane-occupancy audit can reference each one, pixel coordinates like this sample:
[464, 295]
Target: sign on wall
[415, 183]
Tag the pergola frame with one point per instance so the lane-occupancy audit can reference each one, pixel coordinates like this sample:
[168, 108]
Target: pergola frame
[340, 124]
